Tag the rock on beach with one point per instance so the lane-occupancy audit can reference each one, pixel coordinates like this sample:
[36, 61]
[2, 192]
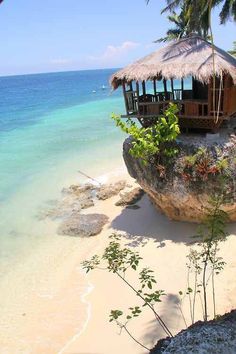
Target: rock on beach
[83, 225]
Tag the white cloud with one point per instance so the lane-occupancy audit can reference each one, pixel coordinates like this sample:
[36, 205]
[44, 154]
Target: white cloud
[113, 53]
[60, 61]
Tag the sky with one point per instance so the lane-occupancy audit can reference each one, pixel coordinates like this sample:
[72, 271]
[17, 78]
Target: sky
[58, 35]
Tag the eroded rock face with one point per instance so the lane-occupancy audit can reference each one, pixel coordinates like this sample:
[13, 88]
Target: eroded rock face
[83, 225]
[177, 194]
[217, 336]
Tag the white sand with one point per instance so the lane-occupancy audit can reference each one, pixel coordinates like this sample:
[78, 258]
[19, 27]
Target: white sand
[45, 313]
[163, 245]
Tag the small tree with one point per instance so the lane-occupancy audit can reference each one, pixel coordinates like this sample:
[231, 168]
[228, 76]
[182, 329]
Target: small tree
[204, 261]
[119, 260]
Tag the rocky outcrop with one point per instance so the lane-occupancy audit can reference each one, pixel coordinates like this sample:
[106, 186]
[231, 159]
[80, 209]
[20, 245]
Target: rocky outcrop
[83, 196]
[130, 198]
[217, 336]
[181, 189]
[109, 190]
[83, 225]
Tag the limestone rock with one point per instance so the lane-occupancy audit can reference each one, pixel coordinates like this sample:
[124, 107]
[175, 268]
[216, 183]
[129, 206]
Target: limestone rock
[109, 190]
[85, 200]
[83, 225]
[131, 197]
[77, 189]
[217, 336]
[168, 189]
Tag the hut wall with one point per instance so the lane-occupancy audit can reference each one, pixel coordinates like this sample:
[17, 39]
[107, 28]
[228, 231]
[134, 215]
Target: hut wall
[200, 90]
[230, 96]
[230, 100]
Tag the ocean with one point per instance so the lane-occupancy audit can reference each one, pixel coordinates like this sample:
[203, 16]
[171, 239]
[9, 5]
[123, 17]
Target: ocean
[51, 126]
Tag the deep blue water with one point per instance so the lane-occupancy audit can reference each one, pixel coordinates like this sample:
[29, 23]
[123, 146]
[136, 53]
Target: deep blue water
[26, 99]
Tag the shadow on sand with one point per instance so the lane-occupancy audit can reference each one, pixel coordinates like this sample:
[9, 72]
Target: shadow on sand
[172, 317]
[146, 223]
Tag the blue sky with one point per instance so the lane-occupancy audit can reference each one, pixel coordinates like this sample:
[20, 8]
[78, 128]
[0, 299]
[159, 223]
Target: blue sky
[59, 35]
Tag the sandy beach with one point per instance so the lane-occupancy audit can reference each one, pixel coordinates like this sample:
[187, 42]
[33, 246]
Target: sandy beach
[59, 309]
[163, 244]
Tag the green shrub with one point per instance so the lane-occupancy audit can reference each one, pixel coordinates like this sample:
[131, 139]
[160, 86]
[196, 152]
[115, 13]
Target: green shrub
[151, 141]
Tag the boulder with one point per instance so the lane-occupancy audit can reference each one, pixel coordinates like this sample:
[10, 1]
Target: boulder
[83, 225]
[184, 196]
[131, 197]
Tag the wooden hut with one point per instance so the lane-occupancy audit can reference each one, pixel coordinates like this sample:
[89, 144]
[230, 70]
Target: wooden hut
[181, 72]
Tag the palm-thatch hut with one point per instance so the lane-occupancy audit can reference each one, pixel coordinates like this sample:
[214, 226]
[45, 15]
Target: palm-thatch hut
[181, 72]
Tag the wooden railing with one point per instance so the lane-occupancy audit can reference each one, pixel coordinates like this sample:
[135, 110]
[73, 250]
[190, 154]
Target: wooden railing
[187, 108]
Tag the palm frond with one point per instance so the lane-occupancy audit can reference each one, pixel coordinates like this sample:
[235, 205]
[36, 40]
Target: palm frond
[171, 5]
[225, 12]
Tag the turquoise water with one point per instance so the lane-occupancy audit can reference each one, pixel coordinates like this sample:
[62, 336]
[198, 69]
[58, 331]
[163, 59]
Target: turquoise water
[51, 126]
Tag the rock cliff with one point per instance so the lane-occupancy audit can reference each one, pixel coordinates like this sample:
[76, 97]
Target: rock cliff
[181, 186]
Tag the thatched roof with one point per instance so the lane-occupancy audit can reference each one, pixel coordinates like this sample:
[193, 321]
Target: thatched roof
[191, 56]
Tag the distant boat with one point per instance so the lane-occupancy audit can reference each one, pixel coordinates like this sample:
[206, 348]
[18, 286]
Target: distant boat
[94, 91]
[103, 87]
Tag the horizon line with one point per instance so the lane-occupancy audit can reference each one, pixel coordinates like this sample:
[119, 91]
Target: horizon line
[56, 72]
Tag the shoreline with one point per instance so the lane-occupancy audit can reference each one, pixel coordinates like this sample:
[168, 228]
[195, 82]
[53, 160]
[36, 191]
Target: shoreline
[80, 325]
[83, 297]
[100, 336]
[23, 289]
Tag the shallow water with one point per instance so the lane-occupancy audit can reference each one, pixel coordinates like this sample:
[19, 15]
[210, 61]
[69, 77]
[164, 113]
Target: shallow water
[51, 126]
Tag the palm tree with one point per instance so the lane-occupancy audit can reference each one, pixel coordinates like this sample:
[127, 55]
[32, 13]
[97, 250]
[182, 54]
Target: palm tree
[198, 11]
[228, 9]
[233, 51]
[185, 23]
[180, 30]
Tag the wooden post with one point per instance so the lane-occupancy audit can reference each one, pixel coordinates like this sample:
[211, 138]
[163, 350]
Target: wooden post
[144, 87]
[172, 86]
[193, 87]
[137, 90]
[124, 93]
[155, 87]
[165, 86]
[131, 86]
[182, 88]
